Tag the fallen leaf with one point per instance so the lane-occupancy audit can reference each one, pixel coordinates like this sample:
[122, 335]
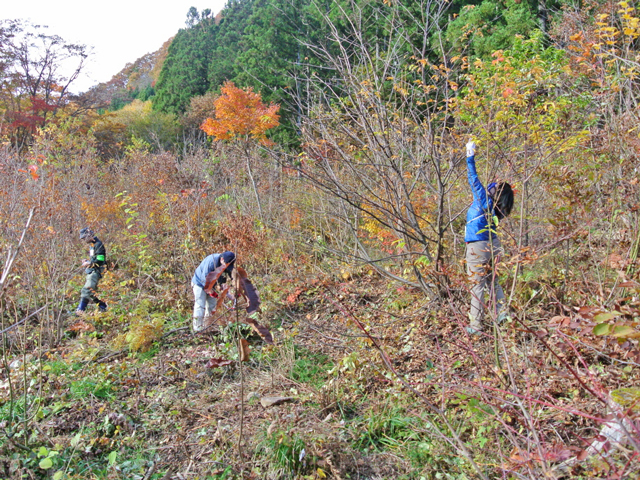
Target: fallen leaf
[218, 362]
[603, 317]
[81, 326]
[559, 320]
[582, 455]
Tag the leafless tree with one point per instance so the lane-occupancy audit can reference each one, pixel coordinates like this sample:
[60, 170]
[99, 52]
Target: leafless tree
[375, 127]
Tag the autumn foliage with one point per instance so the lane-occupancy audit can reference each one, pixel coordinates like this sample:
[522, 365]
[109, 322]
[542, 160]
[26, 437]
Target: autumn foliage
[358, 299]
[241, 113]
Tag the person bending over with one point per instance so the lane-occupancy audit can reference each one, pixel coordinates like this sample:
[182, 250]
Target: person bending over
[205, 303]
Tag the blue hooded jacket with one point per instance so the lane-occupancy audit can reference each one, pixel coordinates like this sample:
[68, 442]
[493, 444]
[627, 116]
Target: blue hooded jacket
[481, 209]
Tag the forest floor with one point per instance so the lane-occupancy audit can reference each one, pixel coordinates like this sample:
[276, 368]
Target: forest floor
[394, 399]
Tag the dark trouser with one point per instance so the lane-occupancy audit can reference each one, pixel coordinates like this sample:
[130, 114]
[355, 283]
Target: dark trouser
[88, 292]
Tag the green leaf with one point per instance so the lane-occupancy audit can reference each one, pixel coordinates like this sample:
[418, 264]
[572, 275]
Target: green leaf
[43, 452]
[46, 463]
[627, 397]
[112, 457]
[603, 317]
[602, 329]
[624, 331]
[58, 475]
[75, 440]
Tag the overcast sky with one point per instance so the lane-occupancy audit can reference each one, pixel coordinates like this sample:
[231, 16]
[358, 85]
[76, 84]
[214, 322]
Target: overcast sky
[120, 31]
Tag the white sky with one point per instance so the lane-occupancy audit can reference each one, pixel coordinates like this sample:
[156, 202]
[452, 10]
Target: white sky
[119, 31]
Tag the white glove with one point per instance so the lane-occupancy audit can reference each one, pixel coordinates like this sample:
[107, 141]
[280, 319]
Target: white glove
[471, 148]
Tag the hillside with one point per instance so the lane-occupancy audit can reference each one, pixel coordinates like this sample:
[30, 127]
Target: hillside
[124, 86]
[440, 215]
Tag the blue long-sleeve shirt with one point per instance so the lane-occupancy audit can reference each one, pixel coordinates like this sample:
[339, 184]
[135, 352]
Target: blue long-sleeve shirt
[208, 265]
[481, 210]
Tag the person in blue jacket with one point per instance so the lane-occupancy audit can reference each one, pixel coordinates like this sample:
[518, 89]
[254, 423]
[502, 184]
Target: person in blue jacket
[484, 249]
[204, 303]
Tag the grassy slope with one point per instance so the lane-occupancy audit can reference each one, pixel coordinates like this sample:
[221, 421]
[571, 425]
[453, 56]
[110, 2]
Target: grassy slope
[109, 413]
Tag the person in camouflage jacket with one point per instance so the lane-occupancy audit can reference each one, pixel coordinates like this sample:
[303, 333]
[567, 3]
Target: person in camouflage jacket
[94, 268]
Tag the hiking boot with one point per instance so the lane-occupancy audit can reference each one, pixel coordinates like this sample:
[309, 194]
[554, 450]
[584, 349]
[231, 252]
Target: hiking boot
[102, 306]
[472, 331]
[198, 324]
[82, 306]
[502, 317]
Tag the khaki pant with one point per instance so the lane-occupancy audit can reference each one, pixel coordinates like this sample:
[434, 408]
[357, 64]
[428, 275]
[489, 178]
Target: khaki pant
[481, 260]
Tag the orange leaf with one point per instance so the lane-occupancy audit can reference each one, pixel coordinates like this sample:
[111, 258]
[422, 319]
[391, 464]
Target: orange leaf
[33, 169]
[81, 326]
[507, 92]
[241, 112]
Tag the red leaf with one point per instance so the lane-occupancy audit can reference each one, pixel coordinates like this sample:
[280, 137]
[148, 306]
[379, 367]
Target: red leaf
[582, 455]
[221, 298]
[246, 289]
[245, 351]
[212, 278]
[260, 330]
[218, 362]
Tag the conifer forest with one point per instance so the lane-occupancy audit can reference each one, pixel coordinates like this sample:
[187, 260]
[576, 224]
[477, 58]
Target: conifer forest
[337, 148]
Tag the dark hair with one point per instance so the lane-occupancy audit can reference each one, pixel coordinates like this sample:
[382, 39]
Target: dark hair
[229, 259]
[503, 200]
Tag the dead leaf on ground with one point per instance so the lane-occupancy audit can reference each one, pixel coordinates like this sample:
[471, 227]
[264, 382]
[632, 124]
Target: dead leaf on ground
[560, 321]
[218, 362]
[82, 326]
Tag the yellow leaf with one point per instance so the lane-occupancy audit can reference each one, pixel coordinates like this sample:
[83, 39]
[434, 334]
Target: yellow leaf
[321, 473]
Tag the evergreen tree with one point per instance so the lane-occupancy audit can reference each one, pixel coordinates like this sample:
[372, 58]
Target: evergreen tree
[481, 29]
[184, 72]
